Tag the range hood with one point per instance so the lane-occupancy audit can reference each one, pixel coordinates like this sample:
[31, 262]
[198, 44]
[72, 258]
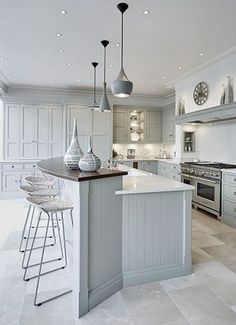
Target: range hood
[215, 114]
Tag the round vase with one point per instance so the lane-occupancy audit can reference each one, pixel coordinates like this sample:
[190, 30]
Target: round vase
[74, 152]
[90, 162]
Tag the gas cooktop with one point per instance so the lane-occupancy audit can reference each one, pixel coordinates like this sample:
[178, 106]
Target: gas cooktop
[210, 164]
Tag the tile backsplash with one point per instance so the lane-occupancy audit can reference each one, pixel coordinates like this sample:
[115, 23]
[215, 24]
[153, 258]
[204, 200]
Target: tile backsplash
[145, 149]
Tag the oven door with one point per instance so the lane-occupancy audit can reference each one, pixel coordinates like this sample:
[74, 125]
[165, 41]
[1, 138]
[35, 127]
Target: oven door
[207, 192]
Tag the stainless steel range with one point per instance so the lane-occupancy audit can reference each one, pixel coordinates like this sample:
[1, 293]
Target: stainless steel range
[206, 178]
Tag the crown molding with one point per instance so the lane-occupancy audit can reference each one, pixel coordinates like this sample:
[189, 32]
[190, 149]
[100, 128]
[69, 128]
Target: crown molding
[201, 67]
[62, 96]
[4, 83]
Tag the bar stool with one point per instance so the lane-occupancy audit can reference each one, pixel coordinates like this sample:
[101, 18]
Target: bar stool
[50, 208]
[41, 181]
[34, 191]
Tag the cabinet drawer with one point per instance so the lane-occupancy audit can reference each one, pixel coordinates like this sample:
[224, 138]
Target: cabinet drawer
[230, 178]
[164, 167]
[12, 166]
[229, 208]
[174, 168]
[229, 192]
[30, 166]
[175, 176]
[10, 181]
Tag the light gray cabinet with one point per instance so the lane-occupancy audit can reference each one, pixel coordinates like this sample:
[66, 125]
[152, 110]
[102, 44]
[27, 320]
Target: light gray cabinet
[120, 126]
[228, 214]
[95, 124]
[149, 166]
[153, 126]
[12, 131]
[169, 170]
[168, 126]
[33, 132]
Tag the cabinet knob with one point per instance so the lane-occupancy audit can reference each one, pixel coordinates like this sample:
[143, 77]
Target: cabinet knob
[12, 166]
[235, 179]
[235, 210]
[234, 193]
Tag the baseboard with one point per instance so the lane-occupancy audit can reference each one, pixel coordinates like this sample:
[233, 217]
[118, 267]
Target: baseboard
[104, 291]
[155, 274]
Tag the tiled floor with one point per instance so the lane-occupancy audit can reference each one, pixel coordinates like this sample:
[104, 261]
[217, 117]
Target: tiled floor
[208, 296]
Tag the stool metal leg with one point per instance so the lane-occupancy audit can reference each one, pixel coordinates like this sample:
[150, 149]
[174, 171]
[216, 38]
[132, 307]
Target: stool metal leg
[24, 229]
[40, 271]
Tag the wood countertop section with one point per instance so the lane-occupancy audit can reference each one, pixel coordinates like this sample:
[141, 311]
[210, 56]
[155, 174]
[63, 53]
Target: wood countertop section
[55, 167]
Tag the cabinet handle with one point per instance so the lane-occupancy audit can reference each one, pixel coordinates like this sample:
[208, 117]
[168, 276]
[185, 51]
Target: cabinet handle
[12, 166]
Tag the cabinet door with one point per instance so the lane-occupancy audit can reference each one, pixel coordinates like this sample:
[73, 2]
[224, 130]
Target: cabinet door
[42, 127]
[102, 140]
[12, 131]
[28, 132]
[84, 124]
[153, 127]
[120, 126]
[10, 181]
[150, 167]
[168, 126]
[56, 132]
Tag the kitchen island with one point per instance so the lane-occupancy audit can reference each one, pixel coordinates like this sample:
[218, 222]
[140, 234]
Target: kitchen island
[128, 229]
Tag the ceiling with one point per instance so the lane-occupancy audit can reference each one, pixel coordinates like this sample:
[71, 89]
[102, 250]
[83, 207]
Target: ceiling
[172, 35]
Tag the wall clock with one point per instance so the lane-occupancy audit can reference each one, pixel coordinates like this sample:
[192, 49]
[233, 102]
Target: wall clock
[200, 93]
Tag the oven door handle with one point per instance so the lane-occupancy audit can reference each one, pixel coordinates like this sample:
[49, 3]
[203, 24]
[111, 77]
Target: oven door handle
[205, 180]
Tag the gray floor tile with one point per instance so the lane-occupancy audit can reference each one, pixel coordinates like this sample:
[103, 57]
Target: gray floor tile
[200, 306]
[222, 253]
[228, 238]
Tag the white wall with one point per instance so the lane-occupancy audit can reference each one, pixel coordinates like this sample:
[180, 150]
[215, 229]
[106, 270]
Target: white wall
[215, 142]
[1, 129]
[214, 75]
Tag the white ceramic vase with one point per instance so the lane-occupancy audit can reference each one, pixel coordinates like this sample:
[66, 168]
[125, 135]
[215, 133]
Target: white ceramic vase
[74, 152]
[90, 162]
[229, 94]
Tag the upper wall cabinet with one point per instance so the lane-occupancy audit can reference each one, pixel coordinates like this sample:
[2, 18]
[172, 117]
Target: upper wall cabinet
[153, 127]
[168, 126]
[33, 132]
[120, 126]
[95, 124]
[137, 125]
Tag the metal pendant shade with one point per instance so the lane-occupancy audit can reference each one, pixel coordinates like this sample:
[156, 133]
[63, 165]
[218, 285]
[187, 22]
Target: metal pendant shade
[94, 106]
[122, 86]
[104, 104]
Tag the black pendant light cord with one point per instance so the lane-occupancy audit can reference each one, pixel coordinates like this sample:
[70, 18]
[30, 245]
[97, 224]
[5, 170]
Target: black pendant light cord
[94, 64]
[104, 43]
[122, 41]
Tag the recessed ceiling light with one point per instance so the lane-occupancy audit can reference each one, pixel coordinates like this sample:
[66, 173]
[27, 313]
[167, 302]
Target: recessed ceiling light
[154, 90]
[59, 34]
[164, 77]
[143, 89]
[63, 12]
[78, 80]
[117, 44]
[201, 53]
[180, 68]
[146, 12]
[61, 51]
[69, 64]
[2, 58]
[14, 79]
[50, 82]
[110, 65]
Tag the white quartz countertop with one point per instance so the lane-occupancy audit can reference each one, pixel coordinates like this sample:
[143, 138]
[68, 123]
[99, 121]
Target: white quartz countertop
[139, 181]
[151, 158]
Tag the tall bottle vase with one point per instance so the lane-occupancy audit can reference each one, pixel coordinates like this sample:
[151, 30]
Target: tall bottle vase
[74, 152]
[229, 93]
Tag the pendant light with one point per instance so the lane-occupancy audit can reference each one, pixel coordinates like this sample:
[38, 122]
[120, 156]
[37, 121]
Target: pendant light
[104, 104]
[122, 86]
[94, 106]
